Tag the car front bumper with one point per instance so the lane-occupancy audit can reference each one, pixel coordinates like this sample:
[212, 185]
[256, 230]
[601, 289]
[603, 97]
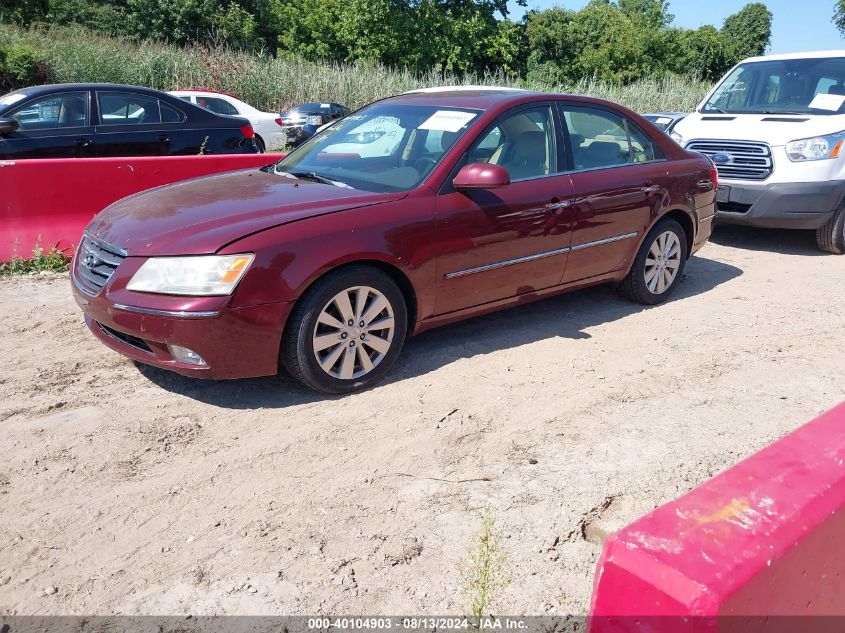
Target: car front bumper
[781, 205]
[234, 342]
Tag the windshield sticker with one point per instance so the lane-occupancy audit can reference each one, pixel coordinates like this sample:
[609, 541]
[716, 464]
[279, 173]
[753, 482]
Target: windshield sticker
[12, 98]
[447, 120]
[824, 101]
[663, 120]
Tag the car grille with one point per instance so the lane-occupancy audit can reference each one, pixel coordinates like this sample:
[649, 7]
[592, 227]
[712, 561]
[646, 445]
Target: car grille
[96, 262]
[748, 160]
[133, 341]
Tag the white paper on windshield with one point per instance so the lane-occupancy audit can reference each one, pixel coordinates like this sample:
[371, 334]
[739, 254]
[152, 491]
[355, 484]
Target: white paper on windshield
[10, 99]
[447, 120]
[663, 120]
[827, 102]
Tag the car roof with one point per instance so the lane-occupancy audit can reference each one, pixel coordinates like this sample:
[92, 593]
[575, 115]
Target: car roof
[477, 97]
[201, 91]
[47, 88]
[807, 55]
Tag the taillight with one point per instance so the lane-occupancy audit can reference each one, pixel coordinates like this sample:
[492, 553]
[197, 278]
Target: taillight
[279, 122]
[714, 177]
[247, 131]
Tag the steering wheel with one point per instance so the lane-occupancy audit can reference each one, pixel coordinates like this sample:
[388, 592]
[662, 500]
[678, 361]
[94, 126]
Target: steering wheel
[424, 164]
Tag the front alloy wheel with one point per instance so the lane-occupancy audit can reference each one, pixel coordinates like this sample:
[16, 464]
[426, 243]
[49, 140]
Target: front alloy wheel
[346, 331]
[353, 333]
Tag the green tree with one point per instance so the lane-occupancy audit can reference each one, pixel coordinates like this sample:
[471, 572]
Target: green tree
[749, 30]
[839, 16]
[655, 12]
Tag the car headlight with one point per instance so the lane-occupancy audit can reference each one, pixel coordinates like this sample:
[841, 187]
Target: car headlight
[677, 138]
[816, 148]
[201, 275]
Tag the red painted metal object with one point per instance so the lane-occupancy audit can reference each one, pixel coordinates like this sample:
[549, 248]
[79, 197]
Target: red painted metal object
[48, 202]
[761, 540]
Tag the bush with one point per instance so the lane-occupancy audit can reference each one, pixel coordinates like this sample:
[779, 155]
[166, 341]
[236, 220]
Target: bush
[20, 66]
[274, 84]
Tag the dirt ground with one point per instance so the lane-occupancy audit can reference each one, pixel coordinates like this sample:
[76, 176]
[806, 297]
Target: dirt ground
[130, 490]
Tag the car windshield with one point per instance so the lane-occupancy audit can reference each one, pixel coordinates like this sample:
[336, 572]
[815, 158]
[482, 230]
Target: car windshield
[382, 148]
[7, 101]
[789, 86]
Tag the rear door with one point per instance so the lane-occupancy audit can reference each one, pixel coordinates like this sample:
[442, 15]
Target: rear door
[134, 124]
[619, 179]
[503, 242]
[54, 126]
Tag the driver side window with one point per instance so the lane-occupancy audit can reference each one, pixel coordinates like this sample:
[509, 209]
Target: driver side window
[69, 109]
[522, 142]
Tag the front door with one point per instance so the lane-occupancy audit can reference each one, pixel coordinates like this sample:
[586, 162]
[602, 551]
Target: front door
[512, 240]
[56, 126]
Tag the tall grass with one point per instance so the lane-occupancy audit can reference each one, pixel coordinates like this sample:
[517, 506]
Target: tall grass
[273, 84]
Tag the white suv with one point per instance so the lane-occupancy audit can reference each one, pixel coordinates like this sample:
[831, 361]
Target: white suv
[269, 134]
[775, 127]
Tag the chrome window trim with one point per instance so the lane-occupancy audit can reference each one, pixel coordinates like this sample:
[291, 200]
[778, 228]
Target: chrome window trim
[179, 314]
[536, 256]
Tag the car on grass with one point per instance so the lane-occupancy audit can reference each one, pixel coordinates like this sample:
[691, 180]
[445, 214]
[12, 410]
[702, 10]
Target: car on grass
[94, 120]
[324, 262]
[303, 121]
[775, 127]
[269, 134]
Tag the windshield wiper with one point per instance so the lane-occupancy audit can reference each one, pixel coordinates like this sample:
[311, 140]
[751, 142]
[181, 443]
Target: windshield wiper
[311, 175]
[710, 106]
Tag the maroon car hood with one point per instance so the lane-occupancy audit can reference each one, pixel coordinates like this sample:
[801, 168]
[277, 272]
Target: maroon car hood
[204, 214]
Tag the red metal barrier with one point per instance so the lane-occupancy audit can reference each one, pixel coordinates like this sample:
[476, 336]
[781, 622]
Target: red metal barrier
[764, 538]
[48, 202]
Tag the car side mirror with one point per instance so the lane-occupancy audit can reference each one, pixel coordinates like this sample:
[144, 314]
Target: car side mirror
[7, 126]
[481, 176]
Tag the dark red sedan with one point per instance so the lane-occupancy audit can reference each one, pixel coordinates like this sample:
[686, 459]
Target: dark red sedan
[413, 212]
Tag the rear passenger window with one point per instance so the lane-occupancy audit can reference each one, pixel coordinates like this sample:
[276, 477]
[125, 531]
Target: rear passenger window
[642, 147]
[117, 108]
[601, 138]
[218, 106]
[598, 137]
[170, 115]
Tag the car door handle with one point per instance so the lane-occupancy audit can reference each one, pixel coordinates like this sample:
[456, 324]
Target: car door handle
[651, 188]
[558, 204]
[164, 138]
[83, 142]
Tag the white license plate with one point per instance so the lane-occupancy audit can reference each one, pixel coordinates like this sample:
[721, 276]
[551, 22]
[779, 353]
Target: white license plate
[723, 193]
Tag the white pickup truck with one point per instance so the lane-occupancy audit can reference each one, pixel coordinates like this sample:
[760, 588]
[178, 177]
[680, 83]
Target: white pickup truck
[775, 126]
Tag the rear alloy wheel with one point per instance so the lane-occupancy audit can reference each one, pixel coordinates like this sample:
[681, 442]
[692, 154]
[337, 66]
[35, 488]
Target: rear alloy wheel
[831, 236]
[259, 143]
[346, 331]
[658, 265]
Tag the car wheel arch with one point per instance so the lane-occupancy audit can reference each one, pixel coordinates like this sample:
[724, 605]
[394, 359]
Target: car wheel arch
[681, 216]
[685, 219]
[391, 269]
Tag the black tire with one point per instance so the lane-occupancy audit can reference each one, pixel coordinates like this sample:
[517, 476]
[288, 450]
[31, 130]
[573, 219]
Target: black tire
[634, 285]
[831, 236]
[259, 143]
[297, 353]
